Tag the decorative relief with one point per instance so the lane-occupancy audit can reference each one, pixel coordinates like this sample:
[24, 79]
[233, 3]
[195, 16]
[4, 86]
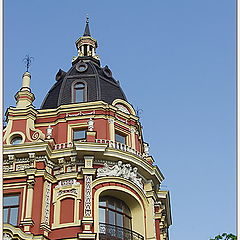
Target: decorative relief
[7, 168]
[88, 196]
[67, 186]
[111, 121]
[21, 167]
[35, 134]
[47, 203]
[49, 132]
[121, 170]
[6, 236]
[22, 160]
[67, 182]
[146, 149]
[61, 192]
[122, 108]
[90, 125]
[79, 114]
[19, 164]
[68, 168]
[58, 171]
[71, 168]
[30, 183]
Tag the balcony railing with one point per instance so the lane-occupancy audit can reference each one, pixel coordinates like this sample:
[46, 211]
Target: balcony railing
[111, 144]
[112, 232]
[120, 146]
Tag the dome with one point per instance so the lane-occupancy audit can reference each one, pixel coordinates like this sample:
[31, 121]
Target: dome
[97, 84]
[86, 80]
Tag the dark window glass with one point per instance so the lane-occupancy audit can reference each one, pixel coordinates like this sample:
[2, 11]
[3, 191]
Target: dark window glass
[10, 209]
[13, 216]
[79, 90]
[119, 218]
[16, 140]
[102, 214]
[5, 215]
[79, 134]
[111, 217]
[114, 211]
[120, 138]
[82, 68]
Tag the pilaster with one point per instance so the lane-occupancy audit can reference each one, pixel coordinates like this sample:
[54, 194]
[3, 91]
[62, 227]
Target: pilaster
[28, 222]
[87, 222]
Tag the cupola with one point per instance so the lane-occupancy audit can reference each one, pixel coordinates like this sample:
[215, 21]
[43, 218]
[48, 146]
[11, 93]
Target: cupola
[86, 45]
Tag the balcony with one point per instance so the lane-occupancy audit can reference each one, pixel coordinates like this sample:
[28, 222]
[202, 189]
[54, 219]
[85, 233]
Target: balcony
[111, 144]
[112, 232]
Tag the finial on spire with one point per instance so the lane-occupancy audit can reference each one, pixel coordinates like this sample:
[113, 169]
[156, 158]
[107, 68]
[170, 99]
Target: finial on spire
[87, 30]
[28, 61]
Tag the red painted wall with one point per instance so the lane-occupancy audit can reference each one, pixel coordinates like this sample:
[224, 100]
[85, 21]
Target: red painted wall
[67, 210]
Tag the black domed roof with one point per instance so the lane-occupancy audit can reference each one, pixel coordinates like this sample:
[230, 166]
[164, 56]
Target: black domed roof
[98, 82]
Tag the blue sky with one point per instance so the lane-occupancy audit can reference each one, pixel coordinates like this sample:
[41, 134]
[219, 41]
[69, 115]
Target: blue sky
[175, 60]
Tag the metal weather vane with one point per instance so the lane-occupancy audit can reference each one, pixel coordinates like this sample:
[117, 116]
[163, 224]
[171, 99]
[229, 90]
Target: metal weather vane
[28, 61]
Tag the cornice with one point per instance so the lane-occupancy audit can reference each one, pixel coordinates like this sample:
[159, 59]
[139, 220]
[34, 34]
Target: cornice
[18, 233]
[77, 107]
[99, 150]
[25, 148]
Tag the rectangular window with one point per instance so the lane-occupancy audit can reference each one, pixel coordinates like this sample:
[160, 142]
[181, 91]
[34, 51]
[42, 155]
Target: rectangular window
[10, 209]
[120, 138]
[79, 134]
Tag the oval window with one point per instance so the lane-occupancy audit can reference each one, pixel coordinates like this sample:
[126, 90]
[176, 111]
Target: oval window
[16, 140]
[81, 67]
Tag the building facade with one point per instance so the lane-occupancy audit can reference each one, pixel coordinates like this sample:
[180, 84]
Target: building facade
[78, 168]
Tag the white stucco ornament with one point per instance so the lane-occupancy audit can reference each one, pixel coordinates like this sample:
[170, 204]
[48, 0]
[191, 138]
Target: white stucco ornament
[90, 125]
[49, 132]
[146, 149]
[121, 170]
[6, 236]
[122, 108]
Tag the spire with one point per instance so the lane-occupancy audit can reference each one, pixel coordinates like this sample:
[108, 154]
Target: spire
[87, 30]
[86, 45]
[24, 97]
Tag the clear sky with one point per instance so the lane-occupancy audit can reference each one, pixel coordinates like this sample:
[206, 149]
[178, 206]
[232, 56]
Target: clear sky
[175, 60]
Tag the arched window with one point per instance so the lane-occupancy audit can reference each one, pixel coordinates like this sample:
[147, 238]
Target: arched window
[114, 218]
[79, 92]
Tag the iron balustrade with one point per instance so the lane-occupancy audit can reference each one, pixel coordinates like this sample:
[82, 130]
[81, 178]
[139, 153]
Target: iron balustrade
[113, 232]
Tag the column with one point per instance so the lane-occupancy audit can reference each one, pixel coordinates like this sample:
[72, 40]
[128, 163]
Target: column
[111, 129]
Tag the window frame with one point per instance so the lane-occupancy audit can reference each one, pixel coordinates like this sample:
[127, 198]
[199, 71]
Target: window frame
[122, 135]
[79, 130]
[123, 213]
[74, 89]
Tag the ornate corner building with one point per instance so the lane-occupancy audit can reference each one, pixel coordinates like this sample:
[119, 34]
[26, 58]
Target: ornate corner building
[78, 168]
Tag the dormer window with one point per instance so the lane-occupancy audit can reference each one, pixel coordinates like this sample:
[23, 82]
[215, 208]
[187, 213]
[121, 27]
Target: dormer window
[79, 92]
